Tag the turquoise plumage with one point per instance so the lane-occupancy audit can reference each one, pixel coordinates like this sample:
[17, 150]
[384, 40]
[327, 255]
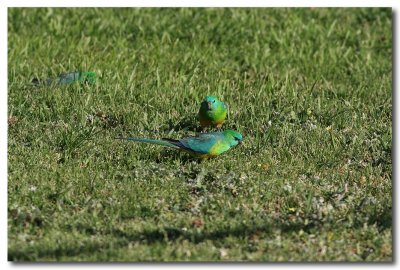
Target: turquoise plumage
[204, 145]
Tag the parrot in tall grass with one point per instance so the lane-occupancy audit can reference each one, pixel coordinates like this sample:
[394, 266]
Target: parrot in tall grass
[212, 112]
[204, 145]
[68, 78]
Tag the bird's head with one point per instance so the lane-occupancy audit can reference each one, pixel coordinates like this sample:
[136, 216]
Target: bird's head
[234, 137]
[89, 77]
[211, 103]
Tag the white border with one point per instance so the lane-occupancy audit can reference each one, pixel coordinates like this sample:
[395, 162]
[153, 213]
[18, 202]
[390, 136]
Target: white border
[184, 3]
[3, 131]
[204, 3]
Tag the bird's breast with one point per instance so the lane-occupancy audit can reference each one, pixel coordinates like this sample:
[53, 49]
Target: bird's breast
[218, 148]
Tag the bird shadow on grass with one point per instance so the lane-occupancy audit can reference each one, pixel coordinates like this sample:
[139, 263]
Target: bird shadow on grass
[185, 124]
[167, 155]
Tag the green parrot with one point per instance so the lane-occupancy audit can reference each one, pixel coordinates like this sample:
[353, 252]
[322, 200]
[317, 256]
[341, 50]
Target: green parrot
[212, 112]
[204, 145]
[69, 78]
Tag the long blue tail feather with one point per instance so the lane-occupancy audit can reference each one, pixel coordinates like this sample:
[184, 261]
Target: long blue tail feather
[158, 142]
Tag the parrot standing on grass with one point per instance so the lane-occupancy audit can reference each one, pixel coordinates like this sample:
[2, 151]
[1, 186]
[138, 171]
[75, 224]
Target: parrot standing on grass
[204, 145]
[212, 112]
[68, 78]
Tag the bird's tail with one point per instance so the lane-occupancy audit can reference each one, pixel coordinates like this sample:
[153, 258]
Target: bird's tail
[159, 142]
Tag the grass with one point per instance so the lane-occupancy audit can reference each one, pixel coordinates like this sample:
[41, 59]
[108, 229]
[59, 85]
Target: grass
[311, 90]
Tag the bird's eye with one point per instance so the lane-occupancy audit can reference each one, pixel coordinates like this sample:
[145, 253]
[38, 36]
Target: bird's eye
[213, 101]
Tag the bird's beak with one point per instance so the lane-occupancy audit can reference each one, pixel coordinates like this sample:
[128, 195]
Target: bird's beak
[209, 105]
[241, 143]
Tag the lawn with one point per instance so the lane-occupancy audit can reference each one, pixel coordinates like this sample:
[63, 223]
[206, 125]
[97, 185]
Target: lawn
[310, 89]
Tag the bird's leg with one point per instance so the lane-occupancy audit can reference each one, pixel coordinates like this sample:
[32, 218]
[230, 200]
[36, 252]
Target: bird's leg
[203, 129]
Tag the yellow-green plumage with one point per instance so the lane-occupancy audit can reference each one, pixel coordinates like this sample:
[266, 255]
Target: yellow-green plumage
[204, 145]
[212, 112]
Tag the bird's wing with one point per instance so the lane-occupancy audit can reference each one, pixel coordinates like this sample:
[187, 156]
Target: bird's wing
[224, 105]
[203, 143]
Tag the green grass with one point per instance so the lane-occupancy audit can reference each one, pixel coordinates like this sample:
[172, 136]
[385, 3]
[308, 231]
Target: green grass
[311, 89]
